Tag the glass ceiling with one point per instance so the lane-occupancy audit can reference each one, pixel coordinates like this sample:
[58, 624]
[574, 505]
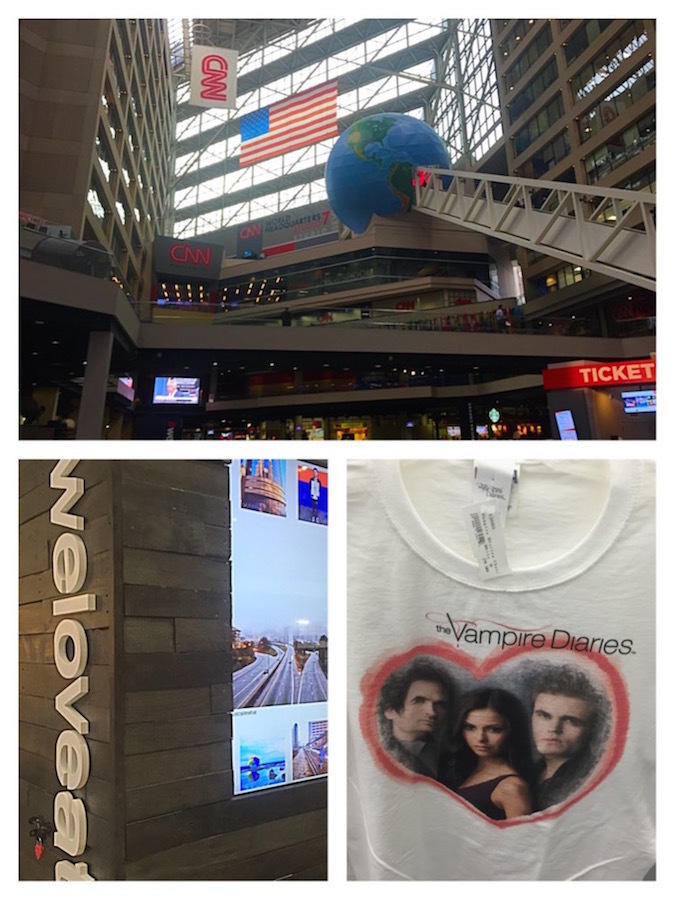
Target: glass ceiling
[438, 70]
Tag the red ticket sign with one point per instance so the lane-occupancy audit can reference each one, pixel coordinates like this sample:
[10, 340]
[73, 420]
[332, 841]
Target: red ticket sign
[639, 371]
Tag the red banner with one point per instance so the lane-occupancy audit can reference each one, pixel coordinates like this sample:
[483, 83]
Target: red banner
[610, 374]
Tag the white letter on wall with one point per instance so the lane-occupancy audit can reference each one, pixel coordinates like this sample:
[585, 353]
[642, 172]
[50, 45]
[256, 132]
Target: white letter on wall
[72, 760]
[69, 563]
[70, 630]
[74, 490]
[70, 824]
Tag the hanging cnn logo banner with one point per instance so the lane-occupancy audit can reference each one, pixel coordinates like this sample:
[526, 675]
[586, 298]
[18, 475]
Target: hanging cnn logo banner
[213, 82]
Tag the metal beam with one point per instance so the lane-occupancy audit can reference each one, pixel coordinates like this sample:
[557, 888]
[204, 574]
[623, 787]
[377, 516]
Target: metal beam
[607, 230]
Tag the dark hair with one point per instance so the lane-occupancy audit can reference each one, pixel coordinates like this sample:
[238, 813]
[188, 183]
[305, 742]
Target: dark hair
[516, 749]
[394, 691]
[569, 682]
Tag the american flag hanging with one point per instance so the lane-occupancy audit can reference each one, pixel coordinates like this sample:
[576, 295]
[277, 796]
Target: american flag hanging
[297, 121]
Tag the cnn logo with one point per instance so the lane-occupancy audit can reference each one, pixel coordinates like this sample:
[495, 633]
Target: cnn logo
[213, 85]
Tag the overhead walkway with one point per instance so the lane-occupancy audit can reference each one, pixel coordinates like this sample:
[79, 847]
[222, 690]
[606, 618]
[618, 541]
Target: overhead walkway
[606, 230]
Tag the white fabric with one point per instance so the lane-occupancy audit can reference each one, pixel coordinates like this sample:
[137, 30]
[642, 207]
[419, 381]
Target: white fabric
[580, 544]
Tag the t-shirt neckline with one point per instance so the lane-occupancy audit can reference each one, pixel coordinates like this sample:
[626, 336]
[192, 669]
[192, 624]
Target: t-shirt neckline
[623, 487]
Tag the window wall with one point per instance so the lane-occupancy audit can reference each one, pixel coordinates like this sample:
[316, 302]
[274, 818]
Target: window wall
[411, 66]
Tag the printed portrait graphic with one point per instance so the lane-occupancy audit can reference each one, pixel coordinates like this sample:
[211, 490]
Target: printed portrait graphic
[511, 738]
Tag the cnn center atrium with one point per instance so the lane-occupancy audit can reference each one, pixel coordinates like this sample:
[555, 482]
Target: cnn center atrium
[337, 229]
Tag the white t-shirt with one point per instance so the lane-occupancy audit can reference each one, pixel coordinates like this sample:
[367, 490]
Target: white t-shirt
[576, 593]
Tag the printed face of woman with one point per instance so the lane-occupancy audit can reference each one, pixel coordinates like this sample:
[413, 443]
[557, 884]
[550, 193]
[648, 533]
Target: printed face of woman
[485, 732]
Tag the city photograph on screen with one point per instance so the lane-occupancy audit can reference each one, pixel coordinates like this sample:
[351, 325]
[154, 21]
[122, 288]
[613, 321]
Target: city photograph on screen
[279, 622]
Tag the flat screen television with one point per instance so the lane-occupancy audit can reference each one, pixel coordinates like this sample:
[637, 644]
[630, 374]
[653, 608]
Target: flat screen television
[125, 387]
[639, 401]
[566, 427]
[174, 389]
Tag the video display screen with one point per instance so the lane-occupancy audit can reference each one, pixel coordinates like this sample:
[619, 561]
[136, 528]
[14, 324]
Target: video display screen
[639, 401]
[566, 427]
[125, 387]
[279, 622]
[176, 389]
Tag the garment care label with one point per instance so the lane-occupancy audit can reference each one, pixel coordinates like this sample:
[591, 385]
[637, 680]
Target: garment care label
[486, 533]
[496, 482]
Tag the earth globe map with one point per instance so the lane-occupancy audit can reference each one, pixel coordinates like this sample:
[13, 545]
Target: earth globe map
[371, 167]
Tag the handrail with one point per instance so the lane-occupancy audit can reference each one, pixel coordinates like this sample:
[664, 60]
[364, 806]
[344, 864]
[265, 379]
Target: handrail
[607, 230]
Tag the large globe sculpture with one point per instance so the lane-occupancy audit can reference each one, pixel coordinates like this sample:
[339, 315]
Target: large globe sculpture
[370, 169]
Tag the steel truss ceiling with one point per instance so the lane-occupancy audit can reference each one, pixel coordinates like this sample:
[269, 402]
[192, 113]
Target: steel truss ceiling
[455, 99]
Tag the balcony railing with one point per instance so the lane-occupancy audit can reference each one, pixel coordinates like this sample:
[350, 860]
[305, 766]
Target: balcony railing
[45, 245]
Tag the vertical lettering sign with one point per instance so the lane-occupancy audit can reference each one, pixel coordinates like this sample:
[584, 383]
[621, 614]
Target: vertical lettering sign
[213, 77]
[71, 655]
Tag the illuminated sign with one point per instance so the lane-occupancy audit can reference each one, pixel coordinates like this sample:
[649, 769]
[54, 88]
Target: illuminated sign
[187, 259]
[71, 655]
[600, 374]
[184, 253]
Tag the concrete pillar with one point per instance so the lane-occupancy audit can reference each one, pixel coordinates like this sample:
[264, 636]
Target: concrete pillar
[92, 403]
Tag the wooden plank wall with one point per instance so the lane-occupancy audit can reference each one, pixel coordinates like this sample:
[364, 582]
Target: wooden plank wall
[40, 682]
[182, 821]
[159, 796]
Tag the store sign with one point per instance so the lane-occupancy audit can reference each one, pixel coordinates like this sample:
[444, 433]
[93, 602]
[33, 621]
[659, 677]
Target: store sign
[185, 254]
[187, 259]
[640, 371]
[71, 655]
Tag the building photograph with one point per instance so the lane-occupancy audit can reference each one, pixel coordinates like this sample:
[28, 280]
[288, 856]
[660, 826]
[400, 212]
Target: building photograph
[337, 229]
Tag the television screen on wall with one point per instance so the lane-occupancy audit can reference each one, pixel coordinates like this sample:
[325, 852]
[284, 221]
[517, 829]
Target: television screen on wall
[279, 623]
[125, 387]
[174, 389]
[639, 401]
[566, 427]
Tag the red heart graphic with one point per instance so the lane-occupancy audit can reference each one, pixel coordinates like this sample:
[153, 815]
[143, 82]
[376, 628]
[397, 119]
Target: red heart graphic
[605, 673]
[39, 850]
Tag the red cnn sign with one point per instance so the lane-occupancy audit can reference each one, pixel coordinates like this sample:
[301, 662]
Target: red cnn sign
[613, 374]
[213, 85]
[213, 78]
[248, 231]
[184, 254]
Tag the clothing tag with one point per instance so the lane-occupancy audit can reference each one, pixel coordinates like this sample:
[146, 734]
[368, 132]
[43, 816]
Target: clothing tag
[494, 482]
[487, 539]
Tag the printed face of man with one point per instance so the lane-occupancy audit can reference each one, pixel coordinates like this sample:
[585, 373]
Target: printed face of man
[423, 710]
[560, 725]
